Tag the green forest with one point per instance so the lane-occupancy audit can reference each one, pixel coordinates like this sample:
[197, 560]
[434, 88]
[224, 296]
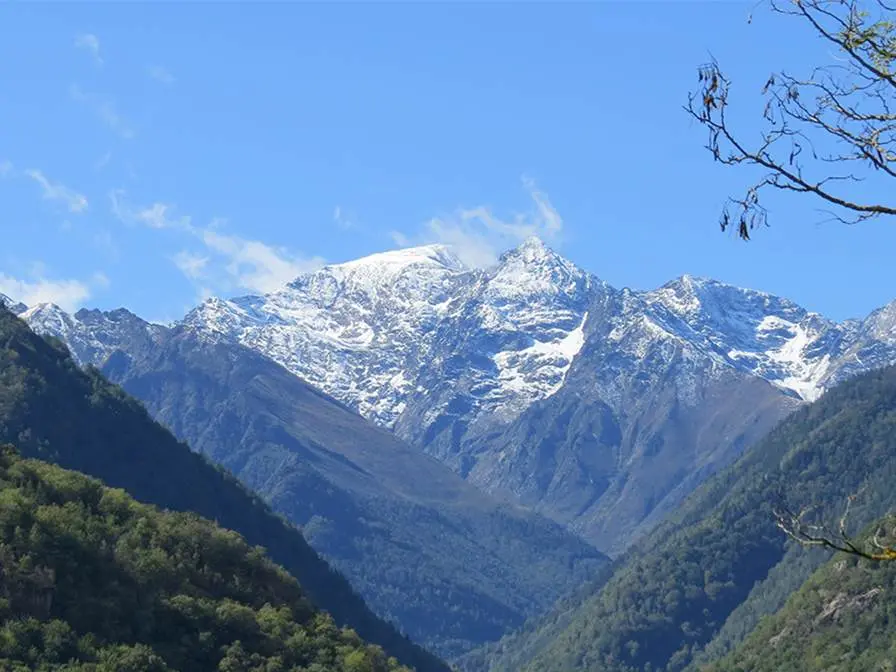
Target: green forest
[92, 580]
[52, 410]
[841, 619]
[697, 585]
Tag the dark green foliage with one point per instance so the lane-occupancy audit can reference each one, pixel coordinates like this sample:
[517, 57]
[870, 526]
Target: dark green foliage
[91, 579]
[451, 565]
[677, 589]
[843, 618]
[52, 410]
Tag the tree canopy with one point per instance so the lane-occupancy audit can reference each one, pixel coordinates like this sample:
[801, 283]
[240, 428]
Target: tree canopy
[92, 580]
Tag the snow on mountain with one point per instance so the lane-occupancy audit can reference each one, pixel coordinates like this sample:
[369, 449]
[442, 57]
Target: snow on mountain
[369, 332]
[798, 351]
[91, 335]
[356, 330]
[417, 341]
[600, 407]
[14, 306]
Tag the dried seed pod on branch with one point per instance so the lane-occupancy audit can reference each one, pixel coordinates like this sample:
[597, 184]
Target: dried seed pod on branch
[822, 134]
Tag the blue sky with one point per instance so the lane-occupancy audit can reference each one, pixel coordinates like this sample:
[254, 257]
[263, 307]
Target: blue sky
[155, 153]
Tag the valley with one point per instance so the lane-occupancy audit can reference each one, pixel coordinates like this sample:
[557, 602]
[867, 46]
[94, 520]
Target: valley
[528, 388]
[395, 337]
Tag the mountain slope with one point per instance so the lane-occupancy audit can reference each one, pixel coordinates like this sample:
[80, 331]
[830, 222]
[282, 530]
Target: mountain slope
[355, 330]
[52, 410]
[523, 377]
[678, 587]
[364, 331]
[535, 380]
[92, 580]
[841, 618]
[448, 563]
[643, 417]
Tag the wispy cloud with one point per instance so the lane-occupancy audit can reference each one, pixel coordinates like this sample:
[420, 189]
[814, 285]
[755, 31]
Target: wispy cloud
[256, 266]
[68, 294]
[5, 168]
[55, 191]
[105, 109]
[344, 220]
[191, 265]
[160, 74]
[478, 236]
[90, 43]
[157, 216]
[226, 261]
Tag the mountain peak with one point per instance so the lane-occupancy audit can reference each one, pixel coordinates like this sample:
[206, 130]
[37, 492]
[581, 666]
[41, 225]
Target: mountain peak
[533, 255]
[46, 309]
[13, 306]
[425, 255]
[532, 249]
[534, 243]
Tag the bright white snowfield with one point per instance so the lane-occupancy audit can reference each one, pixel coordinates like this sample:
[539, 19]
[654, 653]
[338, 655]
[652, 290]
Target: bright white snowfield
[380, 332]
[363, 330]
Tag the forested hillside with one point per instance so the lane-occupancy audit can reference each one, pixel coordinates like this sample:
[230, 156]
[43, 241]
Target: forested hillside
[714, 569]
[841, 619]
[453, 566]
[92, 580]
[52, 410]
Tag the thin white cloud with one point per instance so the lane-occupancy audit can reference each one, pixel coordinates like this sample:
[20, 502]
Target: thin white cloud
[5, 168]
[548, 217]
[160, 74]
[478, 236]
[104, 108]
[100, 279]
[227, 261]
[160, 216]
[67, 294]
[90, 43]
[191, 265]
[157, 216]
[344, 220]
[256, 266]
[55, 191]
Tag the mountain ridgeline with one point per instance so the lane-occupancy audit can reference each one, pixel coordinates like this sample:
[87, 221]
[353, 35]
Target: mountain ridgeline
[533, 379]
[91, 580]
[659, 426]
[451, 565]
[52, 410]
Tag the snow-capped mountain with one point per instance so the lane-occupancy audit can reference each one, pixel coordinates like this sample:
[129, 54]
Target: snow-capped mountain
[14, 306]
[413, 336]
[356, 330]
[602, 407]
[369, 331]
[761, 334]
[91, 335]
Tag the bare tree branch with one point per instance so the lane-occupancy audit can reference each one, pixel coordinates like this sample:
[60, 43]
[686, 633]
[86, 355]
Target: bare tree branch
[798, 527]
[840, 118]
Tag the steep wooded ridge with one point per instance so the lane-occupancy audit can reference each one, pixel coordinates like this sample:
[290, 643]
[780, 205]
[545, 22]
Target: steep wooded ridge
[699, 582]
[841, 619]
[91, 580]
[52, 410]
[601, 408]
[451, 565]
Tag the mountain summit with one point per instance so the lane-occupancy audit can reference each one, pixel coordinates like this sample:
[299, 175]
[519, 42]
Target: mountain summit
[600, 407]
